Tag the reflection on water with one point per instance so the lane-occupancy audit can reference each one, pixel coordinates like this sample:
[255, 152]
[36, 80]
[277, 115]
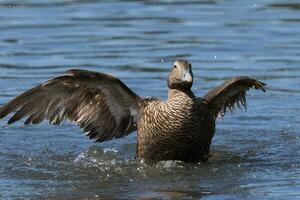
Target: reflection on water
[254, 154]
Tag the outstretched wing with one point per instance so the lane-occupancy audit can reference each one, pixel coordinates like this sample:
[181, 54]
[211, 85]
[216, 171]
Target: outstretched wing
[102, 105]
[232, 92]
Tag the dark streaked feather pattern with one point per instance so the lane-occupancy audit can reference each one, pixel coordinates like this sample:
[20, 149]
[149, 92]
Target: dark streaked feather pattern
[179, 129]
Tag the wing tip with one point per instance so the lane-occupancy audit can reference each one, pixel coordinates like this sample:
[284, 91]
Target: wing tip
[260, 85]
[11, 121]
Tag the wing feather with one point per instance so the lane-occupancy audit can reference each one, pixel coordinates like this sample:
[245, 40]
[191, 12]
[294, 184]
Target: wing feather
[100, 104]
[231, 93]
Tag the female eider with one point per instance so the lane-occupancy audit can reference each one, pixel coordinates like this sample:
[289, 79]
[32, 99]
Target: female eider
[180, 128]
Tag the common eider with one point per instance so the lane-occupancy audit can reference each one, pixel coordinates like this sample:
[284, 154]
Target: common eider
[180, 128]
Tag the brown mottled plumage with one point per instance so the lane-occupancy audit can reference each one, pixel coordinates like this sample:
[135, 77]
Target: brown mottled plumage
[180, 128]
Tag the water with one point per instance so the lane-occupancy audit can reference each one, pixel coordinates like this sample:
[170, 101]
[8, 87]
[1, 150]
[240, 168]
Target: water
[255, 154]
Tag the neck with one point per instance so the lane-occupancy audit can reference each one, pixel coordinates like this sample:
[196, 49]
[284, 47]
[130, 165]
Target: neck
[174, 92]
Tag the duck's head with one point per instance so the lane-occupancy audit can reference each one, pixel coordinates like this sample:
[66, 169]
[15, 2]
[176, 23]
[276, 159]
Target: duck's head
[181, 75]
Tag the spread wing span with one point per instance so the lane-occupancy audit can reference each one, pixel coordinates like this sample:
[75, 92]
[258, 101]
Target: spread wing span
[232, 92]
[102, 105]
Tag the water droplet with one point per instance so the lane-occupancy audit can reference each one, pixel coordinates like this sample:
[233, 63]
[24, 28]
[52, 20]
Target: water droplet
[105, 150]
[79, 157]
[215, 169]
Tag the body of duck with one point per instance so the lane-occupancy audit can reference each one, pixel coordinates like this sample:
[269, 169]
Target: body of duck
[180, 128]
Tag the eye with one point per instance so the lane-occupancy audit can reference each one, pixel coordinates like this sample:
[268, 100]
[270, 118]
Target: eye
[174, 66]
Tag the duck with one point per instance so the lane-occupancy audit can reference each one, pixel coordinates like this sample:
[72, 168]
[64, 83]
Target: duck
[179, 128]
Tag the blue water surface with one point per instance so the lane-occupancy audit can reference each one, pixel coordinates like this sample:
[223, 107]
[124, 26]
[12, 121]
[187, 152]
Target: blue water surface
[255, 154]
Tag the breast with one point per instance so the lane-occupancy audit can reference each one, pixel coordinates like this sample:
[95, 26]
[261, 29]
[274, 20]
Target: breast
[179, 129]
